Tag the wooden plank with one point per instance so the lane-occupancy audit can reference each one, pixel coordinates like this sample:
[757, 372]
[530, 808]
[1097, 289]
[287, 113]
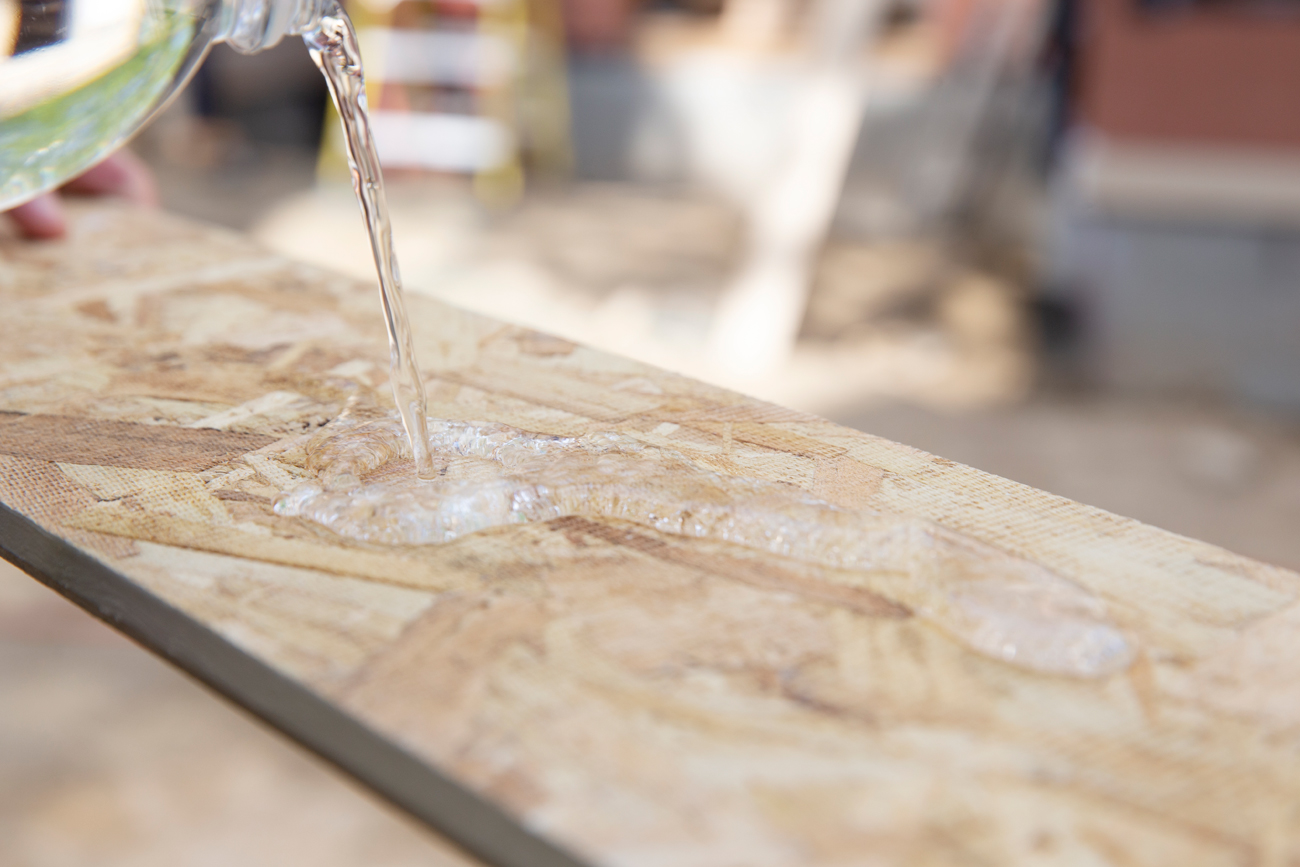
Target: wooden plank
[790, 644]
[123, 444]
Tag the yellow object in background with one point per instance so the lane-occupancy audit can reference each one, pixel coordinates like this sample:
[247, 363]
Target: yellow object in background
[466, 87]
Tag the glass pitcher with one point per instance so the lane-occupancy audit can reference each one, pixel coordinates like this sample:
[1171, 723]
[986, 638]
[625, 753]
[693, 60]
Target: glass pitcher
[80, 77]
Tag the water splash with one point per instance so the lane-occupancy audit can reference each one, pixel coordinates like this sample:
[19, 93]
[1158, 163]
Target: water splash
[491, 475]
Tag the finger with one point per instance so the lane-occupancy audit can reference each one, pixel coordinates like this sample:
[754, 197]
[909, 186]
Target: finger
[122, 174]
[42, 217]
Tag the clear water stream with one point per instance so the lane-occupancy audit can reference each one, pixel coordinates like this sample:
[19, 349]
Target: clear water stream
[334, 50]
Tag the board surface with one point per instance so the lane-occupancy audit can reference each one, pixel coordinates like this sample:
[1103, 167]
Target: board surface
[593, 690]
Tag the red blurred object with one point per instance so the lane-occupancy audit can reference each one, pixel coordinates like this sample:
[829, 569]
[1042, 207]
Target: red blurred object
[598, 25]
[1213, 75]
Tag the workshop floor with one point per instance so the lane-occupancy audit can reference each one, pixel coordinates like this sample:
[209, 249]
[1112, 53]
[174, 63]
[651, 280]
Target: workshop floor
[640, 270]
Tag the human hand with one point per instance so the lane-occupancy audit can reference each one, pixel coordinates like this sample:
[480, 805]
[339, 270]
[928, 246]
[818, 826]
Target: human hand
[122, 174]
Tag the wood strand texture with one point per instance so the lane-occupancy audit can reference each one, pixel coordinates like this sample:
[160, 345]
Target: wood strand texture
[640, 698]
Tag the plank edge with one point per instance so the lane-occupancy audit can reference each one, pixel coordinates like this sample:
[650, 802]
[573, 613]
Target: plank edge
[464, 818]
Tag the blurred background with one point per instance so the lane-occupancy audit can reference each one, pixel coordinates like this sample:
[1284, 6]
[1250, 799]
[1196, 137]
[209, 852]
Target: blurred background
[1058, 240]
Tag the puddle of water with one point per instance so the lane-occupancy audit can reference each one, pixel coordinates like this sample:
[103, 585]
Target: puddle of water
[490, 475]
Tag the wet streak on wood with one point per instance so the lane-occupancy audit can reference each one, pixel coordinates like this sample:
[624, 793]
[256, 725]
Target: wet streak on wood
[772, 573]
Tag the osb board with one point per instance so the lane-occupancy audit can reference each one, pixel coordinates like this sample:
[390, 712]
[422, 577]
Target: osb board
[632, 697]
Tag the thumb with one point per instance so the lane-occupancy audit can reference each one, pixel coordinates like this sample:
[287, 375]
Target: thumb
[42, 217]
[122, 174]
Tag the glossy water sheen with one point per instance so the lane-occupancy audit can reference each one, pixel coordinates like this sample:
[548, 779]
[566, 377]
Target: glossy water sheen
[492, 475]
[334, 49]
